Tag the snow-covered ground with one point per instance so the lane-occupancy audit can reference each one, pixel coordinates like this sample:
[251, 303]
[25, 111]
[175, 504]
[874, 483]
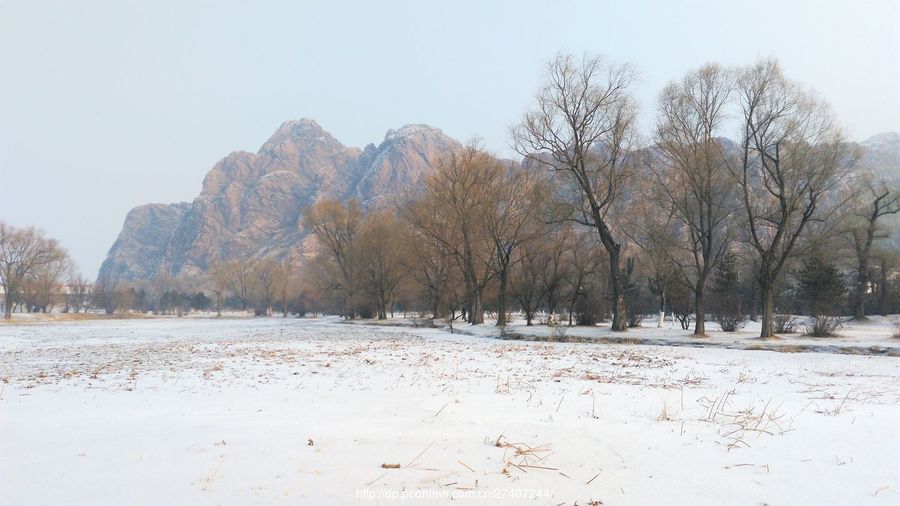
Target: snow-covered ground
[300, 411]
[873, 336]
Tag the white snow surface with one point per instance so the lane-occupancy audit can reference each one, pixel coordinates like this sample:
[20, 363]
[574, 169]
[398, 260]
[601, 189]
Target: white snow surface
[306, 411]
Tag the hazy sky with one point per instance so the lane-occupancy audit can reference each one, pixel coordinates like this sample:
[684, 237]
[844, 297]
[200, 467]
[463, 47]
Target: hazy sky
[109, 105]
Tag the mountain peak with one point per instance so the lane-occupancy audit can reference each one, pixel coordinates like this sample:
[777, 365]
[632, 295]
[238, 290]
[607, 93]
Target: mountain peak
[884, 139]
[413, 129]
[303, 130]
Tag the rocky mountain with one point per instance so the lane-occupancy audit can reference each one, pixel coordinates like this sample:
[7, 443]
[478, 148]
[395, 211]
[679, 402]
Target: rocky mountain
[251, 203]
[881, 156]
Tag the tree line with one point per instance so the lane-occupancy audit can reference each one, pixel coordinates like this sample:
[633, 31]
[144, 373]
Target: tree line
[593, 222]
[602, 225]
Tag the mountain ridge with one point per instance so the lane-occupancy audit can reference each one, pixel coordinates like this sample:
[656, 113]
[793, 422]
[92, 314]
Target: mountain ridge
[250, 204]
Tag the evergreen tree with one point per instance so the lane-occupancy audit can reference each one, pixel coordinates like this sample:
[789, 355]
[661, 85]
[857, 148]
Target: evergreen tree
[728, 295]
[821, 287]
[634, 296]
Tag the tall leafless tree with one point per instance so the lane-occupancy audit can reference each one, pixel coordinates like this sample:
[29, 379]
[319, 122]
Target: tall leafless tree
[693, 172]
[582, 128]
[427, 257]
[874, 201]
[651, 226]
[266, 273]
[792, 158]
[461, 191]
[382, 267]
[218, 280]
[240, 280]
[336, 226]
[513, 219]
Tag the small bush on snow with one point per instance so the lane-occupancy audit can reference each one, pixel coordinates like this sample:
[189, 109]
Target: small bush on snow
[785, 324]
[823, 326]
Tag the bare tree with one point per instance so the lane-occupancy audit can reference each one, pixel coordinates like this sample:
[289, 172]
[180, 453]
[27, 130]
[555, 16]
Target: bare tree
[583, 127]
[460, 191]
[336, 226]
[792, 158]
[526, 284]
[286, 282]
[427, 257]
[693, 172]
[874, 201]
[513, 219]
[583, 259]
[22, 253]
[265, 276]
[78, 291]
[555, 266]
[239, 274]
[382, 266]
[651, 226]
[44, 286]
[219, 278]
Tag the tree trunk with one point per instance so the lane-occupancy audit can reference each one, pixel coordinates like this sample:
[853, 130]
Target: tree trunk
[700, 311]
[754, 306]
[620, 315]
[436, 309]
[662, 310]
[501, 300]
[882, 289]
[476, 312]
[862, 284]
[8, 301]
[768, 310]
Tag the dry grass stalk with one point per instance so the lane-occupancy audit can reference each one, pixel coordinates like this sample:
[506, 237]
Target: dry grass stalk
[524, 456]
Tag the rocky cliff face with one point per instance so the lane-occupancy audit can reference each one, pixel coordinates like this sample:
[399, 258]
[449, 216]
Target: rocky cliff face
[142, 244]
[251, 203]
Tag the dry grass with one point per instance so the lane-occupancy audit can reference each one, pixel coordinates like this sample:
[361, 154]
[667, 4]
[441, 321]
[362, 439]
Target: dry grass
[664, 414]
[742, 423]
[72, 317]
[523, 456]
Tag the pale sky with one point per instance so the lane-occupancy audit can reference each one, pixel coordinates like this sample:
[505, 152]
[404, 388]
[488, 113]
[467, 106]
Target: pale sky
[108, 105]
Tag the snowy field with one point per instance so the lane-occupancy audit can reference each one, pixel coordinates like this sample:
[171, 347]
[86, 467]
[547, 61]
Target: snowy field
[295, 411]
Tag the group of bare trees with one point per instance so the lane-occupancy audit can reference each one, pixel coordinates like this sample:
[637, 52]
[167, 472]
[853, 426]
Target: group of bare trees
[590, 216]
[34, 272]
[266, 285]
[358, 270]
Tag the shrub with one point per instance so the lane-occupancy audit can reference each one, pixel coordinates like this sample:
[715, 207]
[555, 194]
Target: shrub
[635, 318]
[730, 321]
[587, 310]
[558, 332]
[785, 324]
[557, 329]
[823, 326]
